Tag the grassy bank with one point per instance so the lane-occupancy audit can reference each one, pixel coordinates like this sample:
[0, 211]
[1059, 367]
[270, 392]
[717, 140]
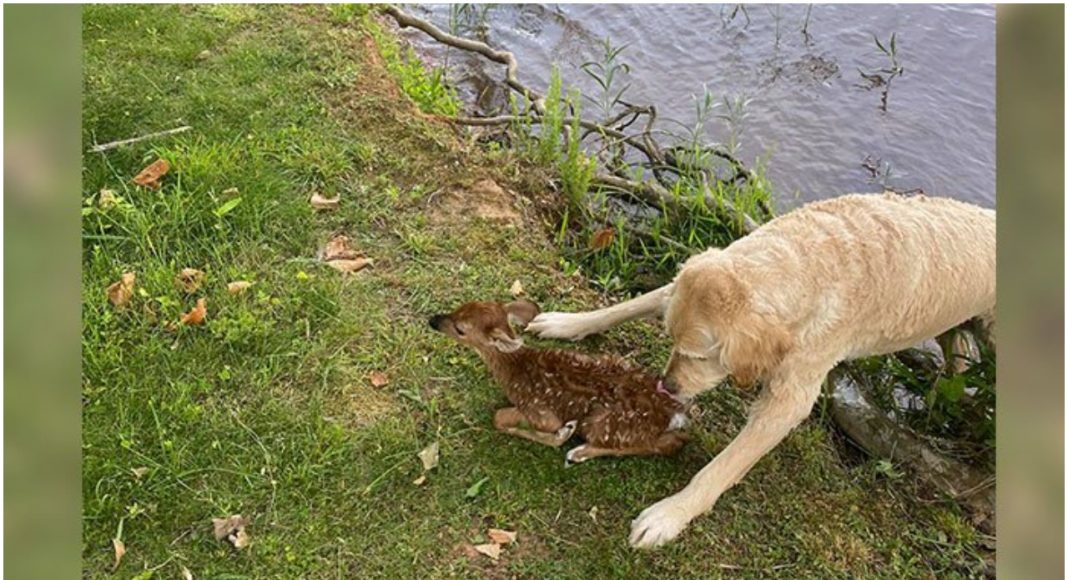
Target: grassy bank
[267, 409]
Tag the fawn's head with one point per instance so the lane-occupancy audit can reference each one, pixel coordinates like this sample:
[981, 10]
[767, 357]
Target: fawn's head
[487, 325]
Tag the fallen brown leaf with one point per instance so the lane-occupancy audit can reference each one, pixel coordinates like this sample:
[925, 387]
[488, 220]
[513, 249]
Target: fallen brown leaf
[602, 239]
[232, 529]
[351, 266]
[517, 289]
[430, 456]
[197, 314]
[501, 536]
[120, 293]
[378, 379]
[493, 551]
[238, 287]
[189, 280]
[319, 202]
[120, 551]
[338, 249]
[150, 176]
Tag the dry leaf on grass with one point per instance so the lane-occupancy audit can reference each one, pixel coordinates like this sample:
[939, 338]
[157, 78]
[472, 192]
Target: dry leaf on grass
[430, 456]
[350, 266]
[338, 249]
[319, 202]
[517, 289]
[232, 529]
[602, 239]
[419, 480]
[186, 574]
[378, 379]
[501, 536]
[493, 551]
[120, 551]
[197, 314]
[238, 286]
[120, 293]
[189, 280]
[139, 472]
[150, 176]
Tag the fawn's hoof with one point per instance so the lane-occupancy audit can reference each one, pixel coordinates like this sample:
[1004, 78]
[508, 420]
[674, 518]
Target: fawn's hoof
[564, 433]
[575, 456]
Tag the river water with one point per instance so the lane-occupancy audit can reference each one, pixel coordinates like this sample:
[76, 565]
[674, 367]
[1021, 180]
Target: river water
[811, 118]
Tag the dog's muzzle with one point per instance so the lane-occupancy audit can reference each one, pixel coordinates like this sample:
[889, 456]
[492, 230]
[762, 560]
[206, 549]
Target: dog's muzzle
[435, 321]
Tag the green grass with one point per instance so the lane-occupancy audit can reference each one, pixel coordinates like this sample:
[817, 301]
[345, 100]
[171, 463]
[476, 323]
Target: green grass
[266, 410]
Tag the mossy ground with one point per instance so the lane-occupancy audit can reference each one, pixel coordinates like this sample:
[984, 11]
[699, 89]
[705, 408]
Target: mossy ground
[266, 410]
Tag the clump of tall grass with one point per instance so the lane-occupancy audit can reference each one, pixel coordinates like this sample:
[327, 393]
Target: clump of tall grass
[429, 89]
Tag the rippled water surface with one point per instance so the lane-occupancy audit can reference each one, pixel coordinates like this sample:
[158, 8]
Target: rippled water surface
[809, 116]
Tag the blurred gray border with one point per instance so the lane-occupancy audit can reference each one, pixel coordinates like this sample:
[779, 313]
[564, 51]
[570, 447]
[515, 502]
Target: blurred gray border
[1030, 202]
[42, 257]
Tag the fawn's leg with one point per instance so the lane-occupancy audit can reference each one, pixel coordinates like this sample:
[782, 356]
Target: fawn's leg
[666, 444]
[547, 428]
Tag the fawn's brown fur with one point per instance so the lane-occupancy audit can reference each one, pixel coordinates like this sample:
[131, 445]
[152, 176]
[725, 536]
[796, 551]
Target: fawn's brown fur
[617, 408]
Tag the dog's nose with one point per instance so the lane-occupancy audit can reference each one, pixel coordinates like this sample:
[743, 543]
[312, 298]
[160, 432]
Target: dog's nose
[435, 322]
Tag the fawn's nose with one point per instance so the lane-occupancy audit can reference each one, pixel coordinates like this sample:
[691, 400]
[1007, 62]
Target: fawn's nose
[435, 321]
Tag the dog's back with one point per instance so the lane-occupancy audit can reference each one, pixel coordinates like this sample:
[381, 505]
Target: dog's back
[904, 268]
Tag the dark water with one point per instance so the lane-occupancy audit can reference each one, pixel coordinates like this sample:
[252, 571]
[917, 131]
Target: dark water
[809, 117]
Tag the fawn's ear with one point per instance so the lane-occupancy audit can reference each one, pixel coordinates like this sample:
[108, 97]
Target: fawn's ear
[521, 312]
[504, 341]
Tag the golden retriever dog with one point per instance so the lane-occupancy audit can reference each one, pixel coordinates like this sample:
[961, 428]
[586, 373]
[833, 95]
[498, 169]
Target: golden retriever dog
[850, 277]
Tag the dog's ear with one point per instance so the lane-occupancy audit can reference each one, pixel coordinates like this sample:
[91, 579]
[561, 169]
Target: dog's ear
[521, 312]
[752, 346]
[504, 341]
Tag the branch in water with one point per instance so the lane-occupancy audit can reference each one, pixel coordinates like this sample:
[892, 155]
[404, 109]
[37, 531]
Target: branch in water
[504, 57]
[643, 142]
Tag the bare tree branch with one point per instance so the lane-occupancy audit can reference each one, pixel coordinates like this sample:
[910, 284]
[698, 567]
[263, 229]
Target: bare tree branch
[504, 57]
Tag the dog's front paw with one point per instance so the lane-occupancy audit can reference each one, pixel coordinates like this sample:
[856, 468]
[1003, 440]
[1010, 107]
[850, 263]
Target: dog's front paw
[569, 326]
[659, 524]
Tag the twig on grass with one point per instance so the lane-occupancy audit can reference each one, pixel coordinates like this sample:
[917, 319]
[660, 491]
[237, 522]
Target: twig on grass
[117, 144]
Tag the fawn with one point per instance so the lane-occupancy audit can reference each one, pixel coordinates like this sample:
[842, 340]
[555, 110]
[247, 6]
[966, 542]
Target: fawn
[617, 408]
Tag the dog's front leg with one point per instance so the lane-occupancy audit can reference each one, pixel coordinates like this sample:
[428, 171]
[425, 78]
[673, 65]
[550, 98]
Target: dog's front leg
[782, 405]
[578, 325]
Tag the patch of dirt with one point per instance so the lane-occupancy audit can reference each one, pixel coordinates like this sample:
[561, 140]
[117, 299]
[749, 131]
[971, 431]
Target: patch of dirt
[484, 199]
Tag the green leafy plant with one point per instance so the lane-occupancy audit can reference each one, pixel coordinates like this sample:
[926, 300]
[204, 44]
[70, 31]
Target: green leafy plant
[884, 76]
[608, 73]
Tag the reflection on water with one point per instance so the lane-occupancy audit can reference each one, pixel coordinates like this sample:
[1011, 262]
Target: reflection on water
[809, 115]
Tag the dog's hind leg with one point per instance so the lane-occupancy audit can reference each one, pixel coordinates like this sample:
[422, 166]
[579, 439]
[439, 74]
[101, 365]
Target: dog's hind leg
[578, 325]
[782, 405]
